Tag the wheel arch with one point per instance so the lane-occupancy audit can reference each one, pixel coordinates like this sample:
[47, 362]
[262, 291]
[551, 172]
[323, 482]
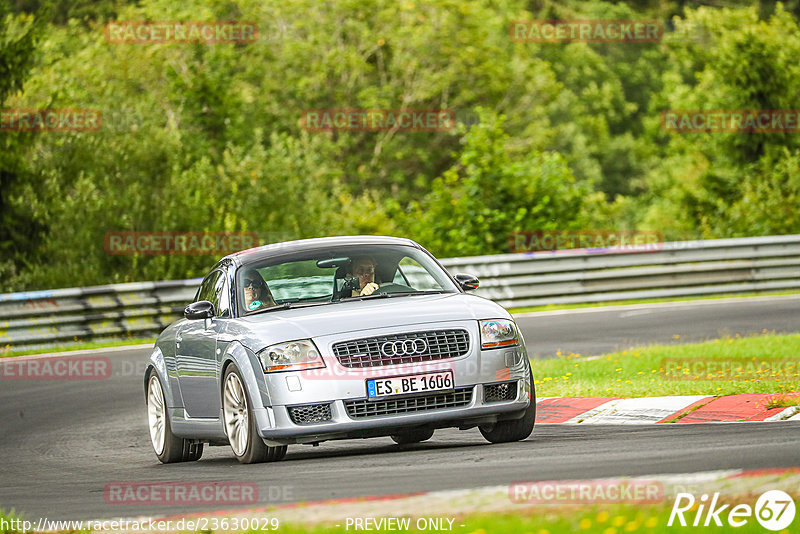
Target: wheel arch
[249, 368]
[157, 365]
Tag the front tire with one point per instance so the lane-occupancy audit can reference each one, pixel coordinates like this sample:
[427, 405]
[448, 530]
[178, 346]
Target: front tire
[515, 430]
[239, 422]
[168, 447]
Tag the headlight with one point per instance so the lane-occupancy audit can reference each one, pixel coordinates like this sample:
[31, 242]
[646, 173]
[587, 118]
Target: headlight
[291, 356]
[498, 333]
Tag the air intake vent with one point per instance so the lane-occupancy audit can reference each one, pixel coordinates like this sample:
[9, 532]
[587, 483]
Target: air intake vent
[310, 414]
[419, 403]
[409, 347]
[507, 391]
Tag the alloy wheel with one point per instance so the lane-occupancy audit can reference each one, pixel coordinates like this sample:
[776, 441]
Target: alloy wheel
[156, 413]
[236, 414]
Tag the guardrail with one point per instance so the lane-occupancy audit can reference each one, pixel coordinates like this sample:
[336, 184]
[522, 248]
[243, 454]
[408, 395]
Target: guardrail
[678, 269]
[40, 319]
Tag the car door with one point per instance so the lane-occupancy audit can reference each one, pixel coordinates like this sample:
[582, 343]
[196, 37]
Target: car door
[196, 358]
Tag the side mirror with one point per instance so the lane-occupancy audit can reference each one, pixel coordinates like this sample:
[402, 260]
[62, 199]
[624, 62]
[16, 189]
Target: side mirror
[201, 309]
[468, 282]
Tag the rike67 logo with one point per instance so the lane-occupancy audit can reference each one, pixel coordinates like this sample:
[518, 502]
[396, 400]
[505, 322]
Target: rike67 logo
[774, 510]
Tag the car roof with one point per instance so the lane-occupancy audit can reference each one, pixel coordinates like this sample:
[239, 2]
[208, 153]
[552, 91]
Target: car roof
[244, 257]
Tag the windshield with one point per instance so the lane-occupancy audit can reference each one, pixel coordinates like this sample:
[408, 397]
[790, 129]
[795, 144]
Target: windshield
[339, 273]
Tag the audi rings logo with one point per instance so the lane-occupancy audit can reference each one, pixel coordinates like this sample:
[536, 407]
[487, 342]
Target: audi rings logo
[407, 347]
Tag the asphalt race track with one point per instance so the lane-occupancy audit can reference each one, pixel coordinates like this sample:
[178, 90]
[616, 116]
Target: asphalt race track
[63, 441]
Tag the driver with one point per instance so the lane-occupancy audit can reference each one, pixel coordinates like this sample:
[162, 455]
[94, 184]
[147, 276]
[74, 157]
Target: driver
[256, 291]
[364, 268]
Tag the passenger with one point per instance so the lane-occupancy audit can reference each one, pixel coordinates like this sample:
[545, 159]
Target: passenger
[256, 291]
[364, 268]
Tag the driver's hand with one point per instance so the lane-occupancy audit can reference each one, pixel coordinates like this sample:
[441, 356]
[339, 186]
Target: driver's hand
[369, 289]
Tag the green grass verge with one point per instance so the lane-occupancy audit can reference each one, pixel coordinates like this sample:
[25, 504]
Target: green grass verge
[549, 519]
[749, 366]
[546, 519]
[552, 307]
[80, 345]
[782, 401]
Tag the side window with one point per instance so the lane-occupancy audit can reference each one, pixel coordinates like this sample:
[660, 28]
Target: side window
[207, 288]
[222, 301]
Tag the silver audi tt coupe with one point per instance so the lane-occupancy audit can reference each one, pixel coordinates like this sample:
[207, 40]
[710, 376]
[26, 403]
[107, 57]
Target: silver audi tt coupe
[334, 338]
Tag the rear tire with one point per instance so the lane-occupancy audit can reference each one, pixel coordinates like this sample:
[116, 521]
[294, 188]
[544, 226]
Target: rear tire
[515, 430]
[239, 421]
[416, 435]
[168, 447]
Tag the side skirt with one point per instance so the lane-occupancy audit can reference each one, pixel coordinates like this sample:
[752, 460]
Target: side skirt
[195, 428]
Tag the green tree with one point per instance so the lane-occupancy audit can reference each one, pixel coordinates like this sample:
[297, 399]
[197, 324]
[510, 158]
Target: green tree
[63, 10]
[768, 203]
[723, 59]
[19, 229]
[492, 191]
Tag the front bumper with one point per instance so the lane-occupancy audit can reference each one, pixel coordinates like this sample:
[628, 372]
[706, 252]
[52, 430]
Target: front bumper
[343, 426]
[337, 386]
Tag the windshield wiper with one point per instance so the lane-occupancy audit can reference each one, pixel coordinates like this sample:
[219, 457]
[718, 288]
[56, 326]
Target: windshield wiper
[284, 306]
[426, 292]
[375, 295]
[290, 305]
[401, 294]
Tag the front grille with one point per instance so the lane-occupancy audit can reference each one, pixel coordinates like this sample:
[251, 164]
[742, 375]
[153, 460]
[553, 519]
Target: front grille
[421, 403]
[507, 391]
[438, 345]
[310, 414]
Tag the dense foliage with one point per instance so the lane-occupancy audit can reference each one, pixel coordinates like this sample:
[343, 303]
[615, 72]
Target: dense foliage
[200, 137]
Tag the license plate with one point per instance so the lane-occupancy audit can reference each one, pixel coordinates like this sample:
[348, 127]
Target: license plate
[407, 385]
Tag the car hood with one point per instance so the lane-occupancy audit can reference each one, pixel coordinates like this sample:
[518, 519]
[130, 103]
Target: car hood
[259, 331]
